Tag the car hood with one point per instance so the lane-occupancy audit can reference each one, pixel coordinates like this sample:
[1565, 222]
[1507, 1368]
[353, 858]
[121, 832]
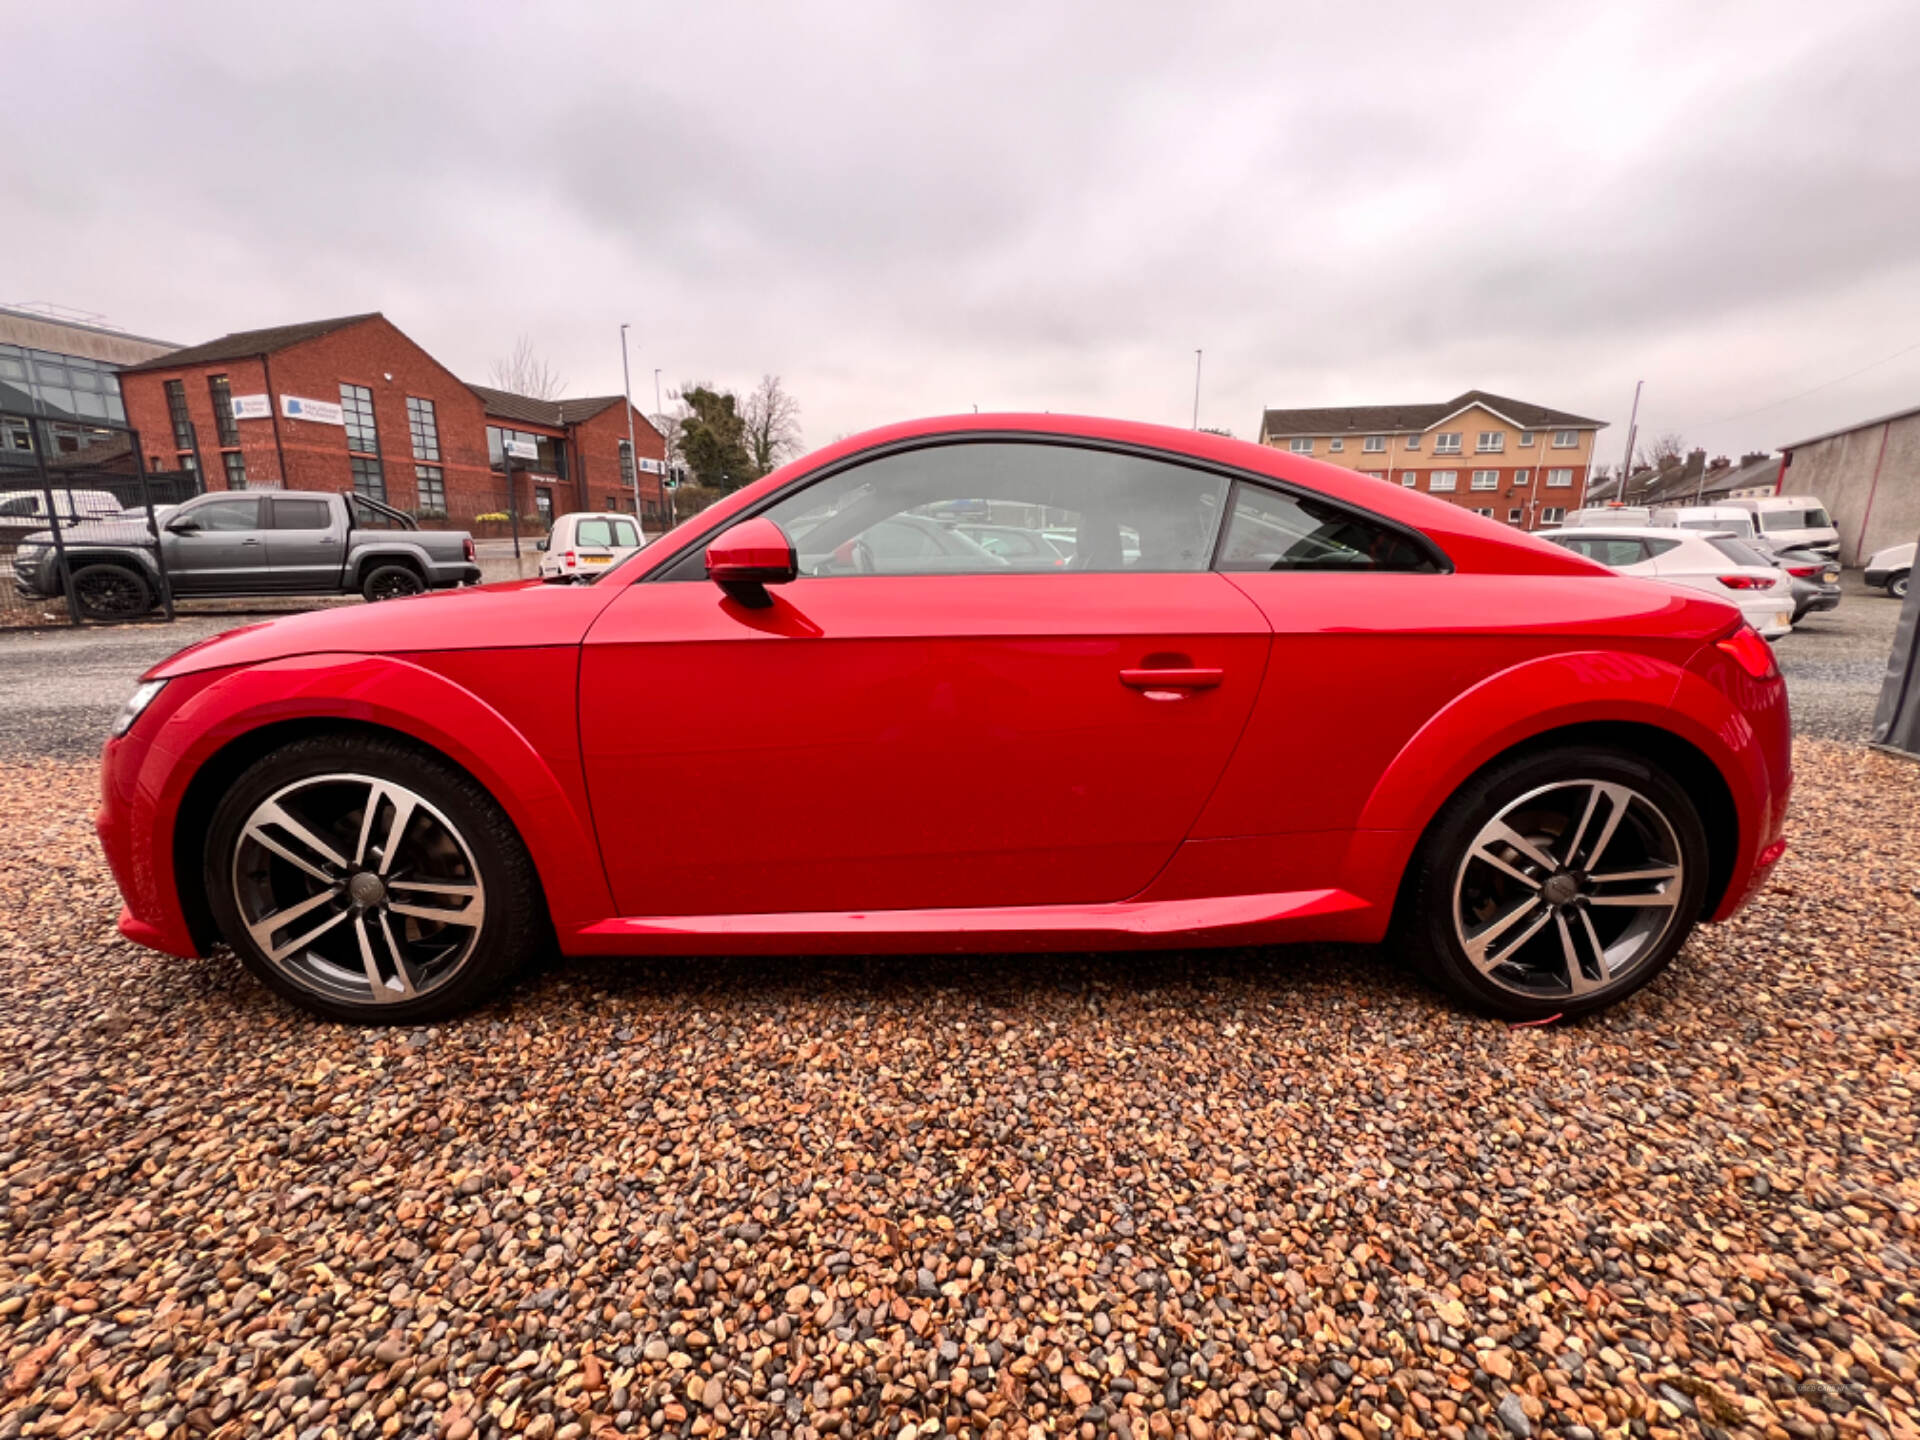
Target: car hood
[95, 532]
[515, 614]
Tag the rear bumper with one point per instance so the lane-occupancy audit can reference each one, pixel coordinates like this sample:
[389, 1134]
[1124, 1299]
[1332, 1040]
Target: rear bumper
[446, 577]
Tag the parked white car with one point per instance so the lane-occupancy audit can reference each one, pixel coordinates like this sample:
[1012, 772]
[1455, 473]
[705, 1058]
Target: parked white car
[588, 541]
[1720, 564]
[1793, 522]
[1611, 515]
[1729, 519]
[1891, 568]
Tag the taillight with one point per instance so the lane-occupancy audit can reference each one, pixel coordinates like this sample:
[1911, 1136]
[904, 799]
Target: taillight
[568, 557]
[1803, 572]
[1754, 655]
[1745, 582]
[469, 548]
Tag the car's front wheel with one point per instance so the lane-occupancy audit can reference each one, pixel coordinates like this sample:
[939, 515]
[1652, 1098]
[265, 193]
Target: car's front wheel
[369, 880]
[1897, 585]
[1557, 883]
[106, 591]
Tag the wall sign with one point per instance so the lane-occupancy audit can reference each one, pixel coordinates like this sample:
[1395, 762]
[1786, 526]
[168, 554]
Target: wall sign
[321, 412]
[253, 407]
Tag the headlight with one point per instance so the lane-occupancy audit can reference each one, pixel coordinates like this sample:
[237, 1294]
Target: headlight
[136, 702]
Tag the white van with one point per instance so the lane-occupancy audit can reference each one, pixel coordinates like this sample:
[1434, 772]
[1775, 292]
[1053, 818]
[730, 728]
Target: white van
[588, 541]
[1793, 520]
[1610, 515]
[1729, 519]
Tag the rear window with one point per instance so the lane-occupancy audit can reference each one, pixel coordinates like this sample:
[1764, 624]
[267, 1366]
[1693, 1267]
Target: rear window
[1738, 551]
[1813, 519]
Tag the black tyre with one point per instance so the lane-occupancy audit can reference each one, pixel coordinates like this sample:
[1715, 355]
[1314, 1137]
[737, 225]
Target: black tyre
[369, 880]
[107, 591]
[1556, 883]
[1897, 584]
[391, 582]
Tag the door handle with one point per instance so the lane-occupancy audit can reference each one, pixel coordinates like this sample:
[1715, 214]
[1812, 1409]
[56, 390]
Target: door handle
[250, 540]
[1171, 680]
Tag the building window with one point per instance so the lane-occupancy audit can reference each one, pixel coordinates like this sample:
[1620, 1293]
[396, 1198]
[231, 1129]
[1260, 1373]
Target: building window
[368, 478]
[1553, 515]
[1486, 479]
[1413, 442]
[1374, 444]
[1526, 438]
[362, 434]
[1409, 478]
[1336, 445]
[1447, 443]
[1301, 444]
[1559, 479]
[1443, 480]
[236, 464]
[432, 483]
[1565, 439]
[1516, 515]
[223, 425]
[424, 430]
[551, 460]
[1374, 474]
[1491, 442]
[1486, 510]
[626, 464]
[1520, 477]
[543, 504]
[177, 412]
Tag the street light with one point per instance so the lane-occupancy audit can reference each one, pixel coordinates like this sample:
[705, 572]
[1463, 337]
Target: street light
[633, 454]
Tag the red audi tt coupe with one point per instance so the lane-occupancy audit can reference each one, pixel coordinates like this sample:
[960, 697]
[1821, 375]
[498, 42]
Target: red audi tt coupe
[1225, 696]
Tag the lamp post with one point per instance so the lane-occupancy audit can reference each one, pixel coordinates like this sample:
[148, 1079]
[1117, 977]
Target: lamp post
[1196, 389]
[633, 453]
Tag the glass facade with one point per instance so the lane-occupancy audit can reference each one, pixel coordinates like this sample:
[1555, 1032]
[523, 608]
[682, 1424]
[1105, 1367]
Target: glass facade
[553, 453]
[60, 387]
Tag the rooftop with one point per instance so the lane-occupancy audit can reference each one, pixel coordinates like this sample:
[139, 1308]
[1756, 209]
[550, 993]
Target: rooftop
[242, 344]
[1401, 419]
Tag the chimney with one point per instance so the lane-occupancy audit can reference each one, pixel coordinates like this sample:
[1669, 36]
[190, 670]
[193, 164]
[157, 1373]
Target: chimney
[1754, 457]
[1720, 462]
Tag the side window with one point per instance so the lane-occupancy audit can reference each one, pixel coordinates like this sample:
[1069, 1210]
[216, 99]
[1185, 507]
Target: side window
[227, 515]
[1273, 530]
[904, 514]
[1659, 547]
[301, 515]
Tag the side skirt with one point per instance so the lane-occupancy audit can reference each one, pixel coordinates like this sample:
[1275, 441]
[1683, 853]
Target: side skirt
[1129, 925]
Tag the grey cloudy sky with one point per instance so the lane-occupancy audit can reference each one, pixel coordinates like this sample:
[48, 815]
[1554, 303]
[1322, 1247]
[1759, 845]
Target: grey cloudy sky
[910, 208]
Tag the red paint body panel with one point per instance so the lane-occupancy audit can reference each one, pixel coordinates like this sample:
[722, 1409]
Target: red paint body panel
[912, 763]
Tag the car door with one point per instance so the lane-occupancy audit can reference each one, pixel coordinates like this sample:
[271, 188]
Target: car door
[304, 546]
[217, 545]
[925, 737]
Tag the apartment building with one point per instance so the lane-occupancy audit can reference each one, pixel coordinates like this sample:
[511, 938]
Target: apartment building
[1510, 460]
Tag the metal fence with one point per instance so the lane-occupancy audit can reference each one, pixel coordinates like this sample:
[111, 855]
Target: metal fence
[79, 523]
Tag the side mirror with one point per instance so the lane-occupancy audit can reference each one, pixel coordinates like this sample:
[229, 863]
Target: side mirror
[183, 525]
[539, 544]
[751, 556]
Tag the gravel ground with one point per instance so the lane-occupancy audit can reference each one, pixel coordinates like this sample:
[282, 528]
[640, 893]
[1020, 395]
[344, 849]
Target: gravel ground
[1207, 1195]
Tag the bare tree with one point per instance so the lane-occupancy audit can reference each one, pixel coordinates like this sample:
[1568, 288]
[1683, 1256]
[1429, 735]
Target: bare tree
[773, 424]
[1668, 450]
[525, 373]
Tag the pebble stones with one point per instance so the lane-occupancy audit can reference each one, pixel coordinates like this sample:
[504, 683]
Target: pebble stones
[1188, 1195]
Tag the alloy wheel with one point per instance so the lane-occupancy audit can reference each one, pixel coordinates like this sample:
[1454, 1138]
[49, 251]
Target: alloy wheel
[109, 592]
[357, 889]
[1569, 890]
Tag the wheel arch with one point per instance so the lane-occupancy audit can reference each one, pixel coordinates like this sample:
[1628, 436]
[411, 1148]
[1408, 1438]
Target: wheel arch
[251, 712]
[365, 565]
[1639, 703]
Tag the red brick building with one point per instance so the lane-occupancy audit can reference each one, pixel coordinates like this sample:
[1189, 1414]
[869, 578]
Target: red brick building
[353, 404]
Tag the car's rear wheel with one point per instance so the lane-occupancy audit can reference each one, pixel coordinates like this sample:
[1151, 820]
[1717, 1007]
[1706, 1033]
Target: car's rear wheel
[391, 582]
[111, 592]
[1558, 883]
[1897, 585]
[369, 880]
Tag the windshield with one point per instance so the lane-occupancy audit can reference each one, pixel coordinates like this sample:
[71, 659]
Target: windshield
[1737, 551]
[1812, 518]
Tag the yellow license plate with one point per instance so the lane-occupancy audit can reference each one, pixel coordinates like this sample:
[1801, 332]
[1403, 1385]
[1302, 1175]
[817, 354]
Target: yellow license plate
[1784, 617]
[597, 559]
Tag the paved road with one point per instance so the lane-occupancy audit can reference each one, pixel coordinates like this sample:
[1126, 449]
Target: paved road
[62, 687]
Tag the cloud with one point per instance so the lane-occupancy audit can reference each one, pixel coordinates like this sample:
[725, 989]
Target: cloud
[906, 209]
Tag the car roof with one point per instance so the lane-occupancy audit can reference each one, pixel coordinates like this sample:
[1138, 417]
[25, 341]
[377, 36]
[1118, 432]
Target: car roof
[1636, 532]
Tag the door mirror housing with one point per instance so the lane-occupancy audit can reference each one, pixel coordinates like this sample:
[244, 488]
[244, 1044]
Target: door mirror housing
[749, 557]
[183, 525]
[539, 544]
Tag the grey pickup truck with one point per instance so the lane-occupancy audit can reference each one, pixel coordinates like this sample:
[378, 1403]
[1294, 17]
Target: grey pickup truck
[252, 543]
